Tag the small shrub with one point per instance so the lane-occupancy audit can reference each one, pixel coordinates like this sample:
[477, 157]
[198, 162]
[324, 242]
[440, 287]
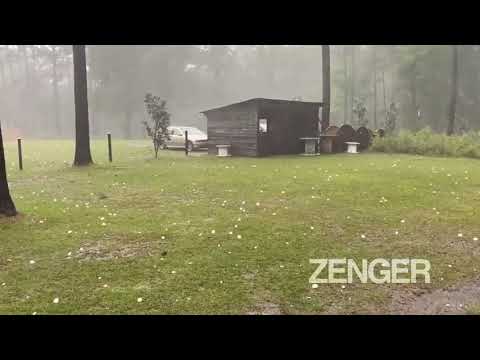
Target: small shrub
[426, 142]
[157, 129]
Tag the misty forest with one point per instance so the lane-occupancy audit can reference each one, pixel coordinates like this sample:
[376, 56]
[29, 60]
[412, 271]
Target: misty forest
[37, 82]
[211, 179]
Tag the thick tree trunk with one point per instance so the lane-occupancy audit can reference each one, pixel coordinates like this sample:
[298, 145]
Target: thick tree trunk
[7, 207]
[326, 86]
[454, 92]
[82, 131]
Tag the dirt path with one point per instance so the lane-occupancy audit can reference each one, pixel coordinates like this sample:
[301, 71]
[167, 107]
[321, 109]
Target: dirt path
[455, 300]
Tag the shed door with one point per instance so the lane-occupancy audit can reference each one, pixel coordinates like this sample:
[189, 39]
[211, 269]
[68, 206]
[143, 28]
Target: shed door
[264, 137]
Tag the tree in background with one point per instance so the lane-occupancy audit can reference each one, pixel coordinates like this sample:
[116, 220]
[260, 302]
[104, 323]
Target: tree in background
[326, 86]
[157, 129]
[360, 111]
[391, 121]
[7, 207]
[82, 132]
[454, 92]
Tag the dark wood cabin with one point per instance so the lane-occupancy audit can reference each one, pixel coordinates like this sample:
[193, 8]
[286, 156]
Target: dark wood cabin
[262, 127]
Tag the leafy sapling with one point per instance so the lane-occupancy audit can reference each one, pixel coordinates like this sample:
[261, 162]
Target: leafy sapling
[157, 128]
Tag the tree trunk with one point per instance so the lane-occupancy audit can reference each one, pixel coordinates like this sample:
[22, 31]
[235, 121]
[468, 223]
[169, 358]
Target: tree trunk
[26, 64]
[326, 86]
[384, 96]
[413, 94]
[346, 91]
[2, 73]
[454, 92]
[56, 100]
[82, 132]
[352, 85]
[7, 207]
[375, 124]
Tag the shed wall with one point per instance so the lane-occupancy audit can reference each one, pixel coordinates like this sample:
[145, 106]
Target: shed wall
[235, 125]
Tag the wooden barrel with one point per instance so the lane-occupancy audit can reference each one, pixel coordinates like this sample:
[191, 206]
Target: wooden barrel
[346, 133]
[364, 137]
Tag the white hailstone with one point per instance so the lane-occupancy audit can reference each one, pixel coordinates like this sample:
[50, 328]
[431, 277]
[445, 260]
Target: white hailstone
[54, 200]
[174, 272]
[56, 300]
[221, 281]
[99, 278]
[255, 247]
[104, 224]
[283, 192]
[274, 214]
[312, 228]
[396, 232]
[81, 249]
[235, 226]
[69, 254]
[40, 222]
[105, 286]
[287, 243]
[34, 313]
[449, 265]
[139, 300]
[475, 238]
[314, 286]
[343, 287]
[200, 234]
[69, 231]
[363, 236]
[3, 284]
[257, 204]
[32, 262]
[460, 235]
[163, 237]
[282, 266]
[403, 221]
[213, 231]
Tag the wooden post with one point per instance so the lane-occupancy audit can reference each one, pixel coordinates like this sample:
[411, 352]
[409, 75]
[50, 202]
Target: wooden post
[110, 156]
[20, 156]
[186, 143]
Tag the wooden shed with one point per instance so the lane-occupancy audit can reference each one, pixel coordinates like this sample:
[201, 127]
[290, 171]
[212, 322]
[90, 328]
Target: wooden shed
[262, 127]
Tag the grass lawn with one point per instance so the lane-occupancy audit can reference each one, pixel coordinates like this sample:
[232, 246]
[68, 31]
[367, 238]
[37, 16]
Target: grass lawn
[203, 235]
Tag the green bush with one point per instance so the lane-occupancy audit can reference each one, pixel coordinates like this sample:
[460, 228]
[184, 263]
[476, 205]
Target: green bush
[426, 142]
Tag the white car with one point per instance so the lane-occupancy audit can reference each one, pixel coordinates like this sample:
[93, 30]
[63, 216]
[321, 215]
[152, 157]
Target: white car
[197, 139]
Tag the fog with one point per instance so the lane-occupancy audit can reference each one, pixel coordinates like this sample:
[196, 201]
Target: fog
[36, 84]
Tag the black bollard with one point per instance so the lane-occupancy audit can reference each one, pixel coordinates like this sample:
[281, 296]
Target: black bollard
[186, 143]
[20, 156]
[110, 156]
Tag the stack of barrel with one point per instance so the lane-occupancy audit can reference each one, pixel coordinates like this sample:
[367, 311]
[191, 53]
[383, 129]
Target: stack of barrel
[337, 137]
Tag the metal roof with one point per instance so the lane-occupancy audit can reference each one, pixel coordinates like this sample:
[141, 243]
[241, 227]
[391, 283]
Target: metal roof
[263, 101]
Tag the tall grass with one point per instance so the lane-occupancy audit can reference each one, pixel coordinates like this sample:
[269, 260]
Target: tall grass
[426, 142]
